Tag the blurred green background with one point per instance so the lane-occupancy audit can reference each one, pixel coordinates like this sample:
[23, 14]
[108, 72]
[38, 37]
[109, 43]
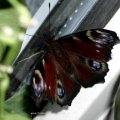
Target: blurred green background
[14, 19]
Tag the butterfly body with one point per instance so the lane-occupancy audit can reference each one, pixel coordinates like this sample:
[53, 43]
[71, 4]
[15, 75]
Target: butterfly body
[76, 60]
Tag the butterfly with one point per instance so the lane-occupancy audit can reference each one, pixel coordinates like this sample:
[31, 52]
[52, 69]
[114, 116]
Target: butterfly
[59, 68]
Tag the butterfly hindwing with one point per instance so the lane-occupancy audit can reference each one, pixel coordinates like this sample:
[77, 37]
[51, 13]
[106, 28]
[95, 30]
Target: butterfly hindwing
[90, 72]
[54, 83]
[88, 52]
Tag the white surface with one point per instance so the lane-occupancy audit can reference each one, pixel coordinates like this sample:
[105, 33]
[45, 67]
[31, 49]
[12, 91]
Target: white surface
[90, 103]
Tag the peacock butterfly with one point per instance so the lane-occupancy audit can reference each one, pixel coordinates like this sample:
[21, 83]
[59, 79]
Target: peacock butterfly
[58, 68]
[72, 61]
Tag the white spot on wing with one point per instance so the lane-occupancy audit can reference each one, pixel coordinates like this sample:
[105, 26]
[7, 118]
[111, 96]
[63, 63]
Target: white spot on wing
[49, 87]
[43, 62]
[88, 33]
[97, 51]
[99, 31]
[75, 38]
[99, 46]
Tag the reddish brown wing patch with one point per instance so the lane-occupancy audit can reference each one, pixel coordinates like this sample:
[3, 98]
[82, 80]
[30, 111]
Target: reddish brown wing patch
[92, 51]
[89, 72]
[88, 53]
[92, 44]
[69, 86]
[60, 87]
[50, 77]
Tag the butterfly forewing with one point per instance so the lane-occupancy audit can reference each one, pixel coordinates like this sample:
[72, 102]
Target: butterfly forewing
[92, 44]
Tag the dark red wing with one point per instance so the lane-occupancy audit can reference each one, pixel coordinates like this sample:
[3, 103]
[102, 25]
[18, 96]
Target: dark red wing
[75, 60]
[67, 88]
[94, 44]
[57, 85]
[88, 52]
[89, 72]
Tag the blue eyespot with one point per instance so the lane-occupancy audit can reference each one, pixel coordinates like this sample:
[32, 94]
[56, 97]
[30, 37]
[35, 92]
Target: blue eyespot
[60, 91]
[95, 65]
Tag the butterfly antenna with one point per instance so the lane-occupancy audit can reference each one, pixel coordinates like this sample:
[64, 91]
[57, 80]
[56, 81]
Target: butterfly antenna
[49, 20]
[32, 35]
[42, 52]
[37, 36]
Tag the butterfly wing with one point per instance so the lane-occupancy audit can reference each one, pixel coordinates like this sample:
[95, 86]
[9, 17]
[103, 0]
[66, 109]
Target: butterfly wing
[52, 83]
[74, 60]
[89, 52]
[95, 44]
